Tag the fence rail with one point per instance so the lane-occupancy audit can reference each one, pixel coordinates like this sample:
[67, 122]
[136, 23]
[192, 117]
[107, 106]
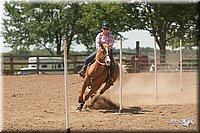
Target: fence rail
[132, 62]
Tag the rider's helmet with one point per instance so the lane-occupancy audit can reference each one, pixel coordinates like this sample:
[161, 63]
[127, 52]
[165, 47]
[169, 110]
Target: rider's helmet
[106, 25]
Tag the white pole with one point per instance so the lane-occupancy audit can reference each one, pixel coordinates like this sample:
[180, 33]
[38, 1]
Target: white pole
[65, 81]
[181, 65]
[155, 62]
[120, 87]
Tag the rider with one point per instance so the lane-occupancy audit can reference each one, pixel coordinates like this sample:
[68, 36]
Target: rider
[104, 37]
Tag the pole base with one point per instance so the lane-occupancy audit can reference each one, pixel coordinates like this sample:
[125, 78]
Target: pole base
[67, 130]
[120, 111]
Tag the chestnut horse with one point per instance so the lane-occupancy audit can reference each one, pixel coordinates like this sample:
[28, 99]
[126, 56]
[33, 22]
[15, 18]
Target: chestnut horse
[97, 74]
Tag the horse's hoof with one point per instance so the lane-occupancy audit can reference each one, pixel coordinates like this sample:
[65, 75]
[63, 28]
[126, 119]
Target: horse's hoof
[78, 110]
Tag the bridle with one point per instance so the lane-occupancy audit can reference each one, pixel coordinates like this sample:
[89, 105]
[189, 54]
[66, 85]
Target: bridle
[103, 63]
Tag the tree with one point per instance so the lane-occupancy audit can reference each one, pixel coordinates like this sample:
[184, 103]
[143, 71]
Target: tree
[21, 52]
[186, 28]
[41, 25]
[165, 22]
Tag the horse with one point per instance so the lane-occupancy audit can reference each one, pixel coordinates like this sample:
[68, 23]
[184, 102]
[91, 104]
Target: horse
[97, 74]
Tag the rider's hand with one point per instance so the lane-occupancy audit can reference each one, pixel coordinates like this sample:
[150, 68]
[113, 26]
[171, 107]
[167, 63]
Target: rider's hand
[110, 46]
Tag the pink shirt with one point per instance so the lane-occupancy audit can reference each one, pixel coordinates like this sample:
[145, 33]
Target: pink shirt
[103, 39]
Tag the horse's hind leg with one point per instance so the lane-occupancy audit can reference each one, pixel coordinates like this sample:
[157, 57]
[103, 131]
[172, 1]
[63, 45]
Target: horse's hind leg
[115, 76]
[95, 98]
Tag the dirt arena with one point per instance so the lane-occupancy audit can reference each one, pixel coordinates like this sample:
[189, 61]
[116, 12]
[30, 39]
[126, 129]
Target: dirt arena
[37, 103]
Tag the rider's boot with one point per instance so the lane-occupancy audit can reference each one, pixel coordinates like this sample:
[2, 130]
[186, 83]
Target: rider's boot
[111, 81]
[82, 71]
[110, 77]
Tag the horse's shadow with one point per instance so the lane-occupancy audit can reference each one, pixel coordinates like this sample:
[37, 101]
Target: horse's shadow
[130, 110]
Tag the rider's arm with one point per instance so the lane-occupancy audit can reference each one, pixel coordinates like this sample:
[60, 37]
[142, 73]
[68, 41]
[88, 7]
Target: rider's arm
[111, 41]
[98, 41]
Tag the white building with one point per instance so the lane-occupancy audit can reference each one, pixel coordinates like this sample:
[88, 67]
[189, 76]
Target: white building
[44, 66]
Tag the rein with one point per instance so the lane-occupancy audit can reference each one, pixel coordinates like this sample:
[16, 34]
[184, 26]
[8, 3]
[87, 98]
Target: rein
[102, 63]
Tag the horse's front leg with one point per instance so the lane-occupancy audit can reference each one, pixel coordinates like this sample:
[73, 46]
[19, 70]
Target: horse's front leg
[107, 86]
[80, 98]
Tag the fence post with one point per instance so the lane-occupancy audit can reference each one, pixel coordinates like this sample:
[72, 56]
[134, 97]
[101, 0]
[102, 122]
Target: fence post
[11, 64]
[38, 63]
[137, 47]
[75, 65]
[137, 58]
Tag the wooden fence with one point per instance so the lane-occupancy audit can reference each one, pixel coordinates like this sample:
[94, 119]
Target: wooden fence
[12, 64]
[132, 62]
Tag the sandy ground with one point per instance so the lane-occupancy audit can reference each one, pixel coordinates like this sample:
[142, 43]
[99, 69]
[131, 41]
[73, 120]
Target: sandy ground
[37, 103]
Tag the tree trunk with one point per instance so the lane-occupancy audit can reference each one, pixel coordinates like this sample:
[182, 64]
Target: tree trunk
[162, 45]
[163, 53]
[162, 41]
[58, 43]
[68, 47]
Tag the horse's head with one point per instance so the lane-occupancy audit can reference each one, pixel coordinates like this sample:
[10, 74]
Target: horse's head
[103, 55]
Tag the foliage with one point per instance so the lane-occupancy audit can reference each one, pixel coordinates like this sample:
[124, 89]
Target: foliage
[21, 52]
[167, 23]
[185, 28]
[43, 25]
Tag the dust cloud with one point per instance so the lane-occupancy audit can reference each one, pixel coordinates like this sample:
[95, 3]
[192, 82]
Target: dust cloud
[139, 89]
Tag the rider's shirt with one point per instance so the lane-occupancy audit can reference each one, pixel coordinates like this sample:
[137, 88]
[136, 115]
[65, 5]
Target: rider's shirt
[104, 39]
